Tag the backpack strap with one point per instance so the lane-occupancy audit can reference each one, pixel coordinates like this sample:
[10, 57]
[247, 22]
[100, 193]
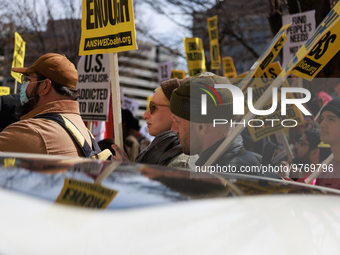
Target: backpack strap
[94, 152]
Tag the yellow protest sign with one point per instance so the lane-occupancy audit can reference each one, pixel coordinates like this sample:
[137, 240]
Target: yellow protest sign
[180, 74]
[319, 43]
[84, 194]
[266, 125]
[18, 55]
[214, 46]
[108, 26]
[237, 80]
[229, 70]
[319, 49]
[4, 91]
[194, 53]
[267, 57]
[9, 162]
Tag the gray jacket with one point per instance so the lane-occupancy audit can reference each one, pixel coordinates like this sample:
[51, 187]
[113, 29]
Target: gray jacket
[236, 158]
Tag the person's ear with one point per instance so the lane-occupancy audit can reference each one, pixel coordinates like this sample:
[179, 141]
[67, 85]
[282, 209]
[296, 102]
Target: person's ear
[46, 86]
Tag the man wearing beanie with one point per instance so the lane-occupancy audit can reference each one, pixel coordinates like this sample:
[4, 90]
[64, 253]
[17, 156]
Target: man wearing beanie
[48, 86]
[196, 130]
[329, 127]
[165, 149]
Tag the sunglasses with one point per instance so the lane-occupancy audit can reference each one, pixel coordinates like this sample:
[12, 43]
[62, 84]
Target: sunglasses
[154, 106]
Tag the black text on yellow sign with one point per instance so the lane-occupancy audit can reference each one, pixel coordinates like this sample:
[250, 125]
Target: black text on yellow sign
[84, 194]
[229, 70]
[319, 49]
[194, 53]
[180, 74]
[214, 46]
[267, 57]
[18, 55]
[4, 91]
[107, 26]
[266, 125]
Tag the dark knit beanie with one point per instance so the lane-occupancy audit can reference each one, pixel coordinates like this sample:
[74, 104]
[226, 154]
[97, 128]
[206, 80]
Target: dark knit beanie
[186, 99]
[170, 85]
[333, 106]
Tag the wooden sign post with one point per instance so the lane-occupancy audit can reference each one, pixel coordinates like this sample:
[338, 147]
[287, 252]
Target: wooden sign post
[116, 107]
[100, 35]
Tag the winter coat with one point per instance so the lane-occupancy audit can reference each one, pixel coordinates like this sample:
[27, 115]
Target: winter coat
[236, 160]
[165, 150]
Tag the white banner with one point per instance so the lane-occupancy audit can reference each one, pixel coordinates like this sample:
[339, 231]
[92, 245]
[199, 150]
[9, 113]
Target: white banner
[303, 25]
[131, 105]
[94, 87]
[164, 71]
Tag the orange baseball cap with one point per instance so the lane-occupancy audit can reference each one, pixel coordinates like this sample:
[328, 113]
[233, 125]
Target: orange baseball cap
[55, 67]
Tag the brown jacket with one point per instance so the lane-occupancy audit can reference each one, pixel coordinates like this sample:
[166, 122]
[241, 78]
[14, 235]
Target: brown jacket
[45, 136]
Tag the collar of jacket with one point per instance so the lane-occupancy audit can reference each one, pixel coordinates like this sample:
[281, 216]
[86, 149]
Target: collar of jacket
[162, 150]
[61, 106]
[235, 148]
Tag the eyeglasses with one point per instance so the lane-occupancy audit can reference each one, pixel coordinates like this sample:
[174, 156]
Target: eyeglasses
[25, 78]
[302, 143]
[154, 106]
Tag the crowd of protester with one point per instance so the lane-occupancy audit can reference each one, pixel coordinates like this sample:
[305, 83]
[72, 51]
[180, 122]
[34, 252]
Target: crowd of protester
[184, 137]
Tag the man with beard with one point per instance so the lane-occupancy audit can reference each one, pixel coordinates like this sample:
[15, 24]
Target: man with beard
[307, 153]
[198, 134]
[330, 126]
[49, 87]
